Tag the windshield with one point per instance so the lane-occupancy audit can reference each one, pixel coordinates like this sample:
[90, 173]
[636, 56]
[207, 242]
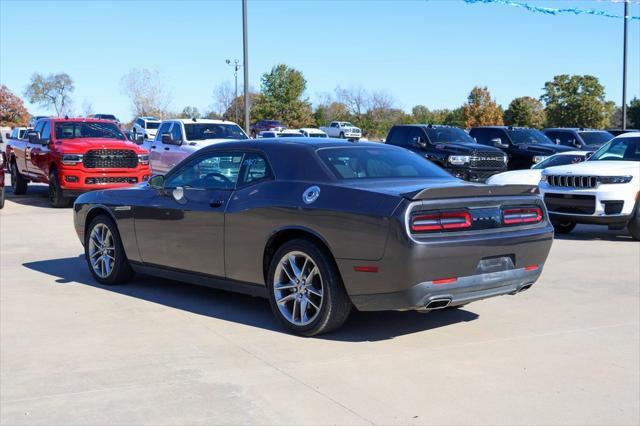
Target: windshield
[532, 136]
[202, 131]
[595, 138]
[318, 135]
[448, 134]
[152, 125]
[371, 162]
[623, 149]
[560, 160]
[290, 135]
[72, 130]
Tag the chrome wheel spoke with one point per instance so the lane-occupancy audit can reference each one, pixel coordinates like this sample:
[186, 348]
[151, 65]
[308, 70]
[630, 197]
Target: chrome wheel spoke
[294, 267]
[288, 297]
[287, 286]
[316, 307]
[303, 308]
[314, 291]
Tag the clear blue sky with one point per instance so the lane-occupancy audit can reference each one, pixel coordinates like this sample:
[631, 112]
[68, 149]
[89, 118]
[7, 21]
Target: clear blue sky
[421, 52]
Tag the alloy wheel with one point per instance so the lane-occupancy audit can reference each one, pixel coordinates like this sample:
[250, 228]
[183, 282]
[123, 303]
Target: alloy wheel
[298, 288]
[101, 250]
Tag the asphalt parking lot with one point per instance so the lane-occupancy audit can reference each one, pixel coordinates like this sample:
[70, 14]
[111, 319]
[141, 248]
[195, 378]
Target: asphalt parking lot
[161, 352]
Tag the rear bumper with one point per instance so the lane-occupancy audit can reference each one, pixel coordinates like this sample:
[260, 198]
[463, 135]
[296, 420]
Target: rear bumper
[463, 291]
[601, 219]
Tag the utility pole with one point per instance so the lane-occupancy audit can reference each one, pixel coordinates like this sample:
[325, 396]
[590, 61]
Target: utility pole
[236, 66]
[245, 48]
[624, 67]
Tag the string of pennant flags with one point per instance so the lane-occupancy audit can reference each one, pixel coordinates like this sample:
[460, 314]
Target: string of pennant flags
[556, 11]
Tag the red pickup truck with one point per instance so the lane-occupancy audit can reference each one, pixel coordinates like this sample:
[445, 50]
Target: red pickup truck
[75, 155]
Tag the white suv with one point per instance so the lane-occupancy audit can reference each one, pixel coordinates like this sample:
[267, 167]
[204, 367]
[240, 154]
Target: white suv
[178, 138]
[605, 189]
[146, 126]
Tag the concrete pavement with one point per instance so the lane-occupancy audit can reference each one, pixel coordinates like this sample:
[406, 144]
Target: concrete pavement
[159, 352]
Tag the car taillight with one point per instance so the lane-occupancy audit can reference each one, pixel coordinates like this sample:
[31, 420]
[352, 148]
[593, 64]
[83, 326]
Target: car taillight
[521, 215]
[440, 221]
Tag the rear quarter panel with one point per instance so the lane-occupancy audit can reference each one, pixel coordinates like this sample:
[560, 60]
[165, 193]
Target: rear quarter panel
[353, 224]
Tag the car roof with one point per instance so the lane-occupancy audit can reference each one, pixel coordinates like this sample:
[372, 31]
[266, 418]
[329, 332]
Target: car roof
[200, 120]
[149, 118]
[628, 135]
[79, 119]
[504, 127]
[311, 129]
[573, 153]
[301, 142]
[573, 129]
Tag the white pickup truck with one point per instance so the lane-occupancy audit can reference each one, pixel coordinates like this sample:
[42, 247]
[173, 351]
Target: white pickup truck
[342, 130]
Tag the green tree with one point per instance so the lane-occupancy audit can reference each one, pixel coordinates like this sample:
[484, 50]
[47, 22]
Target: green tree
[12, 110]
[282, 91]
[51, 91]
[481, 109]
[525, 111]
[190, 112]
[255, 99]
[576, 101]
[422, 115]
[454, 117]
[325, 114]
[633, 114]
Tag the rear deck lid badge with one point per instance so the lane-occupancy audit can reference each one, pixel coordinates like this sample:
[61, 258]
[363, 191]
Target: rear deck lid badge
[311, 194]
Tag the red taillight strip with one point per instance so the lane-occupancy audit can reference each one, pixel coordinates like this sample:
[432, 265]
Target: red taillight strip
[365, 268]
[521, 215]
[531, 267]
[444, 281]
[440, 221]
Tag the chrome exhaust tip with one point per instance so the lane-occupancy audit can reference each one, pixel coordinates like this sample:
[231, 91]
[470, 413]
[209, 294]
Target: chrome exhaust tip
[438, 303]
[526, 286]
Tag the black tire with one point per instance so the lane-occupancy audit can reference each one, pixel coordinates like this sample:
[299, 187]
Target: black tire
[563, 227]
[2, 197]
[341, 136]
[121, 271]
[18, 182]
[634, 225]
[335, 306]
[56, 198]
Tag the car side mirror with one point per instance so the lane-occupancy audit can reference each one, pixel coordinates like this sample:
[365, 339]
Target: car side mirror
[497, 142]
[419, 142]
[34, 137]
[139, 139]
[157, 182]
[167, 139]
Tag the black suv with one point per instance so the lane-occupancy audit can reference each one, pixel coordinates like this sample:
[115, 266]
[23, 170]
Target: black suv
[450, 148]
[584, 139]
[525, 147]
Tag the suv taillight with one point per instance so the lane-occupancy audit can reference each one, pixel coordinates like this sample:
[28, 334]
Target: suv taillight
[520, 215]
[440, 221]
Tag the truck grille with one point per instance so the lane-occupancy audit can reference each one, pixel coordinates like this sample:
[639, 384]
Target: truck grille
[565, 203]
[110, 179]
[487, 160]
[110, 159]
[572, 181]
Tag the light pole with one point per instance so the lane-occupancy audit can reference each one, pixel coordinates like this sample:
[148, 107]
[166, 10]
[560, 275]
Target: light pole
[245, 49]
[236, 66]
[624, 67]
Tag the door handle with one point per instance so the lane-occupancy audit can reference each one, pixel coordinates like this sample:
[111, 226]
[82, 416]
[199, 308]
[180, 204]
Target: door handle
[216, 203]
[153, 147]
[166, 148]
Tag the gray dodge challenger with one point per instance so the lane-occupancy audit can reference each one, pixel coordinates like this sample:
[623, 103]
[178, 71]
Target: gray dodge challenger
[319, 226]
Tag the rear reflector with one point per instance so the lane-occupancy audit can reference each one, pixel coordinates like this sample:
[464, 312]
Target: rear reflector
[365, 268]
[441, 221]
[531, 267]
[521, 215]
[445, 281]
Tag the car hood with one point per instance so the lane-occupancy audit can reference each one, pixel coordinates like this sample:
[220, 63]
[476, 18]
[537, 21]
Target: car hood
[599, 168]
[525, 177]
[465, 148]
[78, 146]
[423, 189]
[544, 149]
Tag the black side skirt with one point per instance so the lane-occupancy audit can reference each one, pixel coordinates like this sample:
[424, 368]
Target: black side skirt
[201, 279]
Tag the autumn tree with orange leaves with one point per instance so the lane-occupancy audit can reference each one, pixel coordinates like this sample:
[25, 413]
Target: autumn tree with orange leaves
[12, 110]
[481, 109]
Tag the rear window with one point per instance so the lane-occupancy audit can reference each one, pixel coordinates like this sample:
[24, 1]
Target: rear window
[152, 125]
[72, 130]
[596, 138]
[378, 163]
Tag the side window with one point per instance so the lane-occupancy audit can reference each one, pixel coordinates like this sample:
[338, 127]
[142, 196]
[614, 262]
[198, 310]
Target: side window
[414, 133]
[39, 127]
[481, 136]
[164, 128]
[211, 171]
[564, 138]
[399, 136]
[140, 123]
[176, 132]
[255, 168]
[334, 124]
[46, 131]
[498, 134]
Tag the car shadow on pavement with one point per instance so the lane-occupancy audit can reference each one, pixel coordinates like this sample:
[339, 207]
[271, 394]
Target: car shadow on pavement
[595, 233]
[242, 309]
[37, 196]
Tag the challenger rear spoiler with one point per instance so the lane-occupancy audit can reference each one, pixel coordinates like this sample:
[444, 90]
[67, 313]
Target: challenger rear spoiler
[469, 190]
